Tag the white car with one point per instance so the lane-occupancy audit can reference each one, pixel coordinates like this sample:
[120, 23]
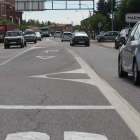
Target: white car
[66, 36]
[57, 34]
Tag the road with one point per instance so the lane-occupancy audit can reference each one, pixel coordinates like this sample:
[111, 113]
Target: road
[51, 87]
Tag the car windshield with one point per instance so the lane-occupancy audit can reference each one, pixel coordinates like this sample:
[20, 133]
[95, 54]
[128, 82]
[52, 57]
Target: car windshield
[37, 33]
[28, 32]
[13, 34]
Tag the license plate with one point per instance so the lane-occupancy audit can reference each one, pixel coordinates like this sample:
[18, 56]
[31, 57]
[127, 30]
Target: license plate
[12, 42]
[81, 41]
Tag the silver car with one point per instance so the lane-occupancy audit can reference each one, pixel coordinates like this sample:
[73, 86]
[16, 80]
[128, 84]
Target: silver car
[110, 35]
[38, 36]
[66, 36]
[129, 56]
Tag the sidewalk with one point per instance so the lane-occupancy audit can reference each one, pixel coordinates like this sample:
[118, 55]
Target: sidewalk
[110, 44]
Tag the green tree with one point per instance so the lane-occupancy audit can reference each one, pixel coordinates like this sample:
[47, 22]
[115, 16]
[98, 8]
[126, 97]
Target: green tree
[126, 6]
[95, 19]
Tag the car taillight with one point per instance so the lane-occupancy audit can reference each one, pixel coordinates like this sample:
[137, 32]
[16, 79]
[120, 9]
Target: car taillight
[127, 35]
[74, 38]
[87, 38]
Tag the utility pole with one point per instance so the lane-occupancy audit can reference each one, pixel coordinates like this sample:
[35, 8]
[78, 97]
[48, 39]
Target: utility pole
[112, 12]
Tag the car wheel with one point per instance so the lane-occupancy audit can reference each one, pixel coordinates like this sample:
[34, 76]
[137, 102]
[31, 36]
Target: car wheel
[136, 74]
[40, 39]
[102, 39]
[5, 46]
[25, 44]
[61, 40]
[35, 41]
[116, 45]
[22, 45]
[121, 73]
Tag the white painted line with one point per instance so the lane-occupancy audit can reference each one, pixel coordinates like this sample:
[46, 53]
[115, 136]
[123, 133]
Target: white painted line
[23, 107]
[70, 135]
[28, 136]
[52, 51]
[19, 54]
[124, 109]
[45, 57]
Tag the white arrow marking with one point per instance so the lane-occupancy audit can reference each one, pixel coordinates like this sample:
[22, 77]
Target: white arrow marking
[37, 48]
[28, 136]
[45, 57]
[83, 136]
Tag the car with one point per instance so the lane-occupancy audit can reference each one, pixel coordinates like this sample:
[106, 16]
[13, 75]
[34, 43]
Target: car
[41, 33]
[57, 34]
[129, 55]
[110, 35]
[38, 36]
[80, 38]
[66, 36]
[30, 36]
[122, 37]
[14, 38]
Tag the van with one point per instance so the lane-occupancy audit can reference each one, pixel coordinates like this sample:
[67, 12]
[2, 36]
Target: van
[57, 34]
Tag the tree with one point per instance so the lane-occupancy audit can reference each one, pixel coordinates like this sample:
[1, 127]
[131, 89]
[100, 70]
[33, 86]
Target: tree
[101, 7]
[127, 6]
[109, 6]
[95, 19]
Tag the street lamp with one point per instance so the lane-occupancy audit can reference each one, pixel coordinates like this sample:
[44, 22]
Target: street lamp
[87, 7]
[26, 14]
[112, 12]
[81, 13]
[71, 23]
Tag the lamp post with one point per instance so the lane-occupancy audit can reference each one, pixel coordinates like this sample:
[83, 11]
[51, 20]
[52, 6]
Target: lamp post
[26, 14]
[81, 13]
[71, 24]
[88, 9]
[112, 12]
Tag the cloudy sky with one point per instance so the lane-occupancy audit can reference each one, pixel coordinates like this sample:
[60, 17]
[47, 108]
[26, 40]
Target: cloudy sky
[60, 16]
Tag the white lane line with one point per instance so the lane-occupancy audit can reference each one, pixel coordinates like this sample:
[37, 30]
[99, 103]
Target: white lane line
[19, 54]
[124, 109]
[28, 136]
[52, 51]
[71, 135]
[45, 57]
[24, 107]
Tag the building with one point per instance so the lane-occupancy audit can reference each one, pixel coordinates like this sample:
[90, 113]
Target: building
[60, 27]
[7, 11]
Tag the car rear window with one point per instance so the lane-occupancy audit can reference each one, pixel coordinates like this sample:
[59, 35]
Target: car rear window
[57, 32]
[80, 34]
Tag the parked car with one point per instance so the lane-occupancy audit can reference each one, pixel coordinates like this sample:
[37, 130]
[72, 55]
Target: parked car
[3, 29]
[122, 37]
[38, 36]
[57, 34]
[66, 36]
[14, 38]
[80, 38]
[129, 56]
[30, 36]
[110, 35]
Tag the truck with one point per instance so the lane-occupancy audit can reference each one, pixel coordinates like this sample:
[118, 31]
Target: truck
[45, 31]
[3, 29]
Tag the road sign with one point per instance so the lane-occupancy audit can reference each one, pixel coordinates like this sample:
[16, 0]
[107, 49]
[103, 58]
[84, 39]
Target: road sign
[132, 17]
[99, 24]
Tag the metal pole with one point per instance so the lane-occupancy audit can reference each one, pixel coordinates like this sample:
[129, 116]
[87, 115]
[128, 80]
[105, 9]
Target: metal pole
[112, 12]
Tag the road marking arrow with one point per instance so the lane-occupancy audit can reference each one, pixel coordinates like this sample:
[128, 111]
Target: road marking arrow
[45, 57]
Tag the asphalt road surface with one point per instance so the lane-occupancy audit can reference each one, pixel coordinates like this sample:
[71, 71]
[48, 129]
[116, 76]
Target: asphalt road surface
[51, 87]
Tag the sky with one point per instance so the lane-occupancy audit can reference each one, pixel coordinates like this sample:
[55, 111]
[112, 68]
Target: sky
[62, 16]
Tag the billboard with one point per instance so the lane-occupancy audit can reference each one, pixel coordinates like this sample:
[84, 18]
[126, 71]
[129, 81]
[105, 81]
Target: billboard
[29, 5]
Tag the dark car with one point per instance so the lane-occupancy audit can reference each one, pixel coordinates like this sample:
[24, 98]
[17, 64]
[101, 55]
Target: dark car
[30, 36]
[129, 56]
[122, 37]
[14, 38]
[80, 38]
